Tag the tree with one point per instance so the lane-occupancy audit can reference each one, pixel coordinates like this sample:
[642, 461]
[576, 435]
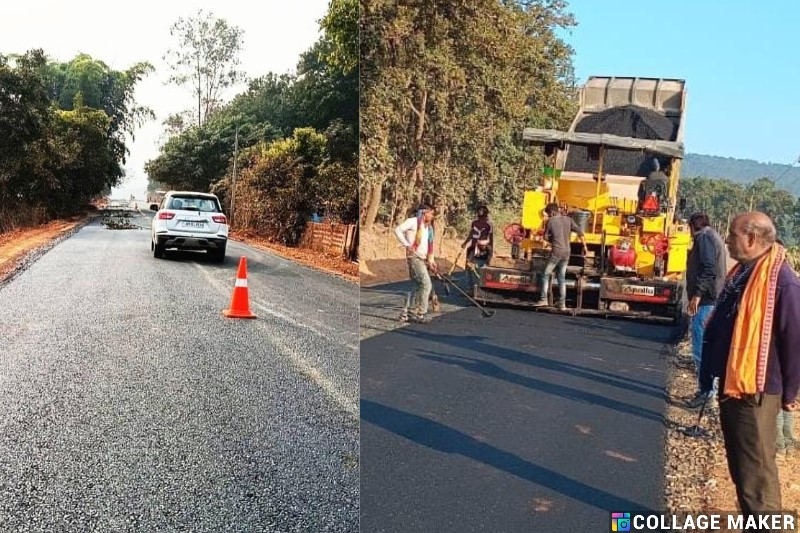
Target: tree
[722, 199]
[63, 128]
[25, 121]
[341, 29]
[322, 94]
[446, 87]
[200, 156]
[100, 87]
[205, 59]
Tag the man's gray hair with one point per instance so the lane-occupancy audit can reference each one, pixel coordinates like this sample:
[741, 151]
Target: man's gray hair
[764, 230]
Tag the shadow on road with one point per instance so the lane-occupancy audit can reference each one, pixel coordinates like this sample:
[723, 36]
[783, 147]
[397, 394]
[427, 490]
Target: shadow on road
[568, 393]
[573, 405]
[478, 344]
[444, 439]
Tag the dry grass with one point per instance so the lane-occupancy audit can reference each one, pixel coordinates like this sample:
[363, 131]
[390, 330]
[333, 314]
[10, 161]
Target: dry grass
[332, 264]
[16, 244]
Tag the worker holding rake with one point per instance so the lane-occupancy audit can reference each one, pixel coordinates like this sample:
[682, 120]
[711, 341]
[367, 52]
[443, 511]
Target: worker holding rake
[416, 236]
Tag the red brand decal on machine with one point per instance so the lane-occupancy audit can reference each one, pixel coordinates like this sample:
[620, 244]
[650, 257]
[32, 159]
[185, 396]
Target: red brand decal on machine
[641, 293]
[638, 290]
[502, 280]
[514, 279]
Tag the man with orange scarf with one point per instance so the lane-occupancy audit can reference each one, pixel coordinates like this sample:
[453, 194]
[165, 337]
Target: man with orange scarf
[416, 235]
[751, 344]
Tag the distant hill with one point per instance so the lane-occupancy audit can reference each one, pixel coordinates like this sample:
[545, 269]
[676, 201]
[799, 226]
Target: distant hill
[741, 170]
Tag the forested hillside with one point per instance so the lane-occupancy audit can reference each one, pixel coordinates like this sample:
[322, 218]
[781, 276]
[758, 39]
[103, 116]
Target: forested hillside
[742, 170]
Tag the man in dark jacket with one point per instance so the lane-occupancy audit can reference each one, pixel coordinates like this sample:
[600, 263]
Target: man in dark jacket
[750, 344]
[655, 183]
[705, 275]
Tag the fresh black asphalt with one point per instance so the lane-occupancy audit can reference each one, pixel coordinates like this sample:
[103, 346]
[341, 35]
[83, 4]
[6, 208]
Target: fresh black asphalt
[128, 403]
[522, 422]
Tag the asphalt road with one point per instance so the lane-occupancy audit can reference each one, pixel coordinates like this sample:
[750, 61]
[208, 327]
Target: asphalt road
[522, 422]
[129, 403]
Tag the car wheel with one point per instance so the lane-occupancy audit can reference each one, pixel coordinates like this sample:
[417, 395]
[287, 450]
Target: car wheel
[218, 255]
[158, 251]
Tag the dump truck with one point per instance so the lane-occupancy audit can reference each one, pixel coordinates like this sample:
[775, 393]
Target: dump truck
[637, 240]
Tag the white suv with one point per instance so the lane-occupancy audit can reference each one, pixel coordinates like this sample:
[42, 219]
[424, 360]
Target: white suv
[189, 221]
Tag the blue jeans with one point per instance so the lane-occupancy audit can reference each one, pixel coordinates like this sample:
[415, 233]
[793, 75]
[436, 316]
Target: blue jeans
[474, 273]
[560, 266]
[698, 328]
[786, 430]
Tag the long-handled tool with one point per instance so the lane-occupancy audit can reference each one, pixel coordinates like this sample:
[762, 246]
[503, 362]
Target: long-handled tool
[697, 430]
[450, 272]
[486, 312]
[453, 266]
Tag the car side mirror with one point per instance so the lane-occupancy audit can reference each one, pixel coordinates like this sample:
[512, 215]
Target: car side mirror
[153, 207]
[682, 204]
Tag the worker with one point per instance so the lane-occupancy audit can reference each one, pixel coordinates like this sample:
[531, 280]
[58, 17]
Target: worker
[557, 232]
[705, 275]
[416, 236]
[750, 344]
[653, 189]
[481, 243]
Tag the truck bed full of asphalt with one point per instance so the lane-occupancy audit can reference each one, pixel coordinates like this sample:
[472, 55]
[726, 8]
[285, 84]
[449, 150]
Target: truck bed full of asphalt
[522, 422]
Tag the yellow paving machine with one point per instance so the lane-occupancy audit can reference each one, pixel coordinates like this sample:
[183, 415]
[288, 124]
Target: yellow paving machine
[597, 172]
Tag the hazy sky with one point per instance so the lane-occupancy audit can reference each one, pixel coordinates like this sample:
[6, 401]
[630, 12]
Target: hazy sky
[123, 33]
[737, 57]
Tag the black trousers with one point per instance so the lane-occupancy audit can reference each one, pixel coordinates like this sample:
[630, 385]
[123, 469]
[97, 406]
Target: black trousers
[749, 430]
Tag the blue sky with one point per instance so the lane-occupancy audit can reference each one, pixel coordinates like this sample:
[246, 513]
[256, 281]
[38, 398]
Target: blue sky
[739, 59]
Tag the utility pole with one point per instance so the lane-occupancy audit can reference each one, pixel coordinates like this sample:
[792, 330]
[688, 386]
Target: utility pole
[235, 157]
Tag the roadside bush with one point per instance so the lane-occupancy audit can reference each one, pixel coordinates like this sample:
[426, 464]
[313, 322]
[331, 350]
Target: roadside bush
[21, 217]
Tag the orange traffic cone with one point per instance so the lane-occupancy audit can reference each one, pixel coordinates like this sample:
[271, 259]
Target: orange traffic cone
[240, 303]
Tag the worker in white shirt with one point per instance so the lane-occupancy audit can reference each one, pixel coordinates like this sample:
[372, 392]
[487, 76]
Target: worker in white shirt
[416, 236]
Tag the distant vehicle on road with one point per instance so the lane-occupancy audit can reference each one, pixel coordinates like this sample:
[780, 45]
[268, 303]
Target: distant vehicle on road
[118, 204]
[155, 197]
[186, 220]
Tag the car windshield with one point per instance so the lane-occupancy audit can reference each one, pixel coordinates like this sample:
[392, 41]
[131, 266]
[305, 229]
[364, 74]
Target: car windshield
[194, 203]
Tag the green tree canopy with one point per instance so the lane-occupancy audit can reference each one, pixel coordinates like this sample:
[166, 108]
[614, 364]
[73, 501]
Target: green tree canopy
[446, 87]
[63, 127]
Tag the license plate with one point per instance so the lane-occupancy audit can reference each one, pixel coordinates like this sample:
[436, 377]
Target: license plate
[639, 290]
[192, 224]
